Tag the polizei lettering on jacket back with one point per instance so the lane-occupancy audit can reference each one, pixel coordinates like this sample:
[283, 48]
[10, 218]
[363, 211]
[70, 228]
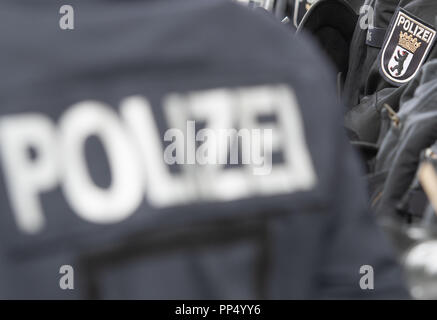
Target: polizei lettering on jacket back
[134, 149]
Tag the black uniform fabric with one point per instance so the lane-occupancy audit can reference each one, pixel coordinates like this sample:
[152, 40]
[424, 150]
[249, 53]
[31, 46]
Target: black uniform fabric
[356, 5]
[366, 91]
[304, 244]
[331, 23]
[416, 130]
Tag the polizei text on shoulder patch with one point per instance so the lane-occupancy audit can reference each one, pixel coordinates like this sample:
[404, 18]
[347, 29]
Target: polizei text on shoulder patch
[407, 44]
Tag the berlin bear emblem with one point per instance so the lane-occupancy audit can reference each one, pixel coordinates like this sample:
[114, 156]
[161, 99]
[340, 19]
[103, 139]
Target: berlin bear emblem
[408, 42]
[399, 62]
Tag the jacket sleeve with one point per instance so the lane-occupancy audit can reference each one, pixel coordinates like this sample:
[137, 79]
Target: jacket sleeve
[356, 246]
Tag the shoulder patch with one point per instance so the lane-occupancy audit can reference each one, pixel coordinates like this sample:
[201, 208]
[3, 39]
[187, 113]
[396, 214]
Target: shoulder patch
[301, 7]
[407, 43]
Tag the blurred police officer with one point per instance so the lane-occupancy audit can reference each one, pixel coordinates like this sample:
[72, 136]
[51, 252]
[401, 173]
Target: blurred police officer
[84, 124]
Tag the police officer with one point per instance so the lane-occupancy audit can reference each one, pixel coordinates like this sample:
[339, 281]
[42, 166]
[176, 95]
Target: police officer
[391, 43]
[88, 186]
[412, 130]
